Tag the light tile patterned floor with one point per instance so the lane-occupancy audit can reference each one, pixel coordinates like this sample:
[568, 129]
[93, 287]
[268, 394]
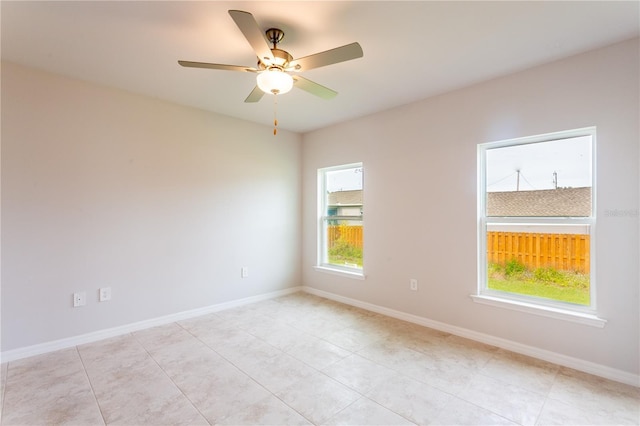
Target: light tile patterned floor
[301, 360]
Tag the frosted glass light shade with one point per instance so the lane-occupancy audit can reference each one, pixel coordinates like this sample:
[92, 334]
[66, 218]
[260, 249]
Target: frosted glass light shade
[274, 81]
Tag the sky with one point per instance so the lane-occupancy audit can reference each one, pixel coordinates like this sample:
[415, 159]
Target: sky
[344, 180]
[537, 162]
[570, 159]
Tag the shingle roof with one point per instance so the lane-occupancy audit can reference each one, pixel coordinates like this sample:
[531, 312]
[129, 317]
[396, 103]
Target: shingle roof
[346, 198]
[548, 202]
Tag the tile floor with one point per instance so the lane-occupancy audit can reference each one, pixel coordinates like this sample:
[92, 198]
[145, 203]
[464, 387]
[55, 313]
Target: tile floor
[302, 359]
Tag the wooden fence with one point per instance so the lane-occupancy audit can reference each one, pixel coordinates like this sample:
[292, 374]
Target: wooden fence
[351, 234]
[568, 252]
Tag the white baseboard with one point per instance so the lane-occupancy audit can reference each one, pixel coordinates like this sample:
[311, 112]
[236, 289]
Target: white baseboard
[564, 360]
[82, 339]
[556, 358]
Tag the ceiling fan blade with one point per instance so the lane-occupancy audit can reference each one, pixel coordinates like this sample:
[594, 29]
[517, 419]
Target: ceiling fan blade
[328, 57]
[254, 35]
[313, 88]
[255, 95]
[191, 64]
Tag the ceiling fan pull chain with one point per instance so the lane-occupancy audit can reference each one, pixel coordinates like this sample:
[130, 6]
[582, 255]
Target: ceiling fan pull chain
[275, 114]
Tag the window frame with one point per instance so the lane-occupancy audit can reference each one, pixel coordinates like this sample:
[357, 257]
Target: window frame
[533, 304]
[322, 263]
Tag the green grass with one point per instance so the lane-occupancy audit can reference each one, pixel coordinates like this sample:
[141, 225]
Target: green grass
[548, 283]
[342, 253]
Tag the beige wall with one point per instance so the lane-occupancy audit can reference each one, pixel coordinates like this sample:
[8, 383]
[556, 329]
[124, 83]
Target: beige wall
[165, 203]
[160, 202]
[423, 156]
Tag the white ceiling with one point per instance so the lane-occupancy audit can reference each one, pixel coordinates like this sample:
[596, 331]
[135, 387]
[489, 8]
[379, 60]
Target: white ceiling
[412, 50]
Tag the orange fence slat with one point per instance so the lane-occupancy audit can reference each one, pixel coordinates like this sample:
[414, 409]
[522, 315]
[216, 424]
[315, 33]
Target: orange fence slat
[535, 250]
[351, 234]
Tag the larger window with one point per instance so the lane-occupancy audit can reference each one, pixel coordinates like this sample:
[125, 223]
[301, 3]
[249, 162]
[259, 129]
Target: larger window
[535, 208]
[340, 231]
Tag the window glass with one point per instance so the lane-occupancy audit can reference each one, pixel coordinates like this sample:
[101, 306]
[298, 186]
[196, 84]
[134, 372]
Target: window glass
[536, 219]
[342, 204]
[544, 179]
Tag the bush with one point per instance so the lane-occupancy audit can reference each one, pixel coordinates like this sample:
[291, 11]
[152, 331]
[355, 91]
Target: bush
[549, 275]
[495, 271]
[343, 252]
[513, 267]
[547, 282]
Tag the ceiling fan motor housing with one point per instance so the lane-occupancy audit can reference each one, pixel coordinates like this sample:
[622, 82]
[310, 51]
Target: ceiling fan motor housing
[281, 59]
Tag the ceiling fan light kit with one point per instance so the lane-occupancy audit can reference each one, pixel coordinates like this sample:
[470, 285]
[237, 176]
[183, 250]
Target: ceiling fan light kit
[274, 65]
[275, 81]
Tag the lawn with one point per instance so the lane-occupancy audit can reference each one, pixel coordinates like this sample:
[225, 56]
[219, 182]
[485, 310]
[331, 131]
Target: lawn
[548, 283]
[343, 253]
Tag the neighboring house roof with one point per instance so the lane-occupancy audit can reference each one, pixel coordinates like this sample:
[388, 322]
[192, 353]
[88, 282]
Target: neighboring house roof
[346, 198]
[547, 202]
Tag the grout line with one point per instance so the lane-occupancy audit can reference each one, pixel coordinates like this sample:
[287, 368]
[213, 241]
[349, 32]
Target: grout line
[474, 370]
[168, 376]
[93, 391]
[4, 390]
[548, 393]
[271, 393]
[236, 367]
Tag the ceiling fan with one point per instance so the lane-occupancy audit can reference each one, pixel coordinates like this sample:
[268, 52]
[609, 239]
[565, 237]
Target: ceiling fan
[275, 66]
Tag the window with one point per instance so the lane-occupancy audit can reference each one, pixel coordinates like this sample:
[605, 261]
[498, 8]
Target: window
[340, 236]
[535, 208]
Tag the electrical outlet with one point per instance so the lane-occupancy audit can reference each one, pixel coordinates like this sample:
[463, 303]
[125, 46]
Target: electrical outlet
[244, 272]
[105, 294]
[79, 299]
[413, 284]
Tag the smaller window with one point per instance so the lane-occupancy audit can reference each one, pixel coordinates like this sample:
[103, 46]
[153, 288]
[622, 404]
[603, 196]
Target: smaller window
[340, 230]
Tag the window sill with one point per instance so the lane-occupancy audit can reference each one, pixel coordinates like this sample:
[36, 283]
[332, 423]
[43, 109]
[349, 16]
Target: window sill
[341, 272]
[545, 311]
